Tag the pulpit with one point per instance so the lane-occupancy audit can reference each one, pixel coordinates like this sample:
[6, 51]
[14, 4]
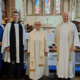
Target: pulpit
[77, 23]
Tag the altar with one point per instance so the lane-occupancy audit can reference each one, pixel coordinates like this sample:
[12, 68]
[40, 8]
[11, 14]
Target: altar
[52, 55]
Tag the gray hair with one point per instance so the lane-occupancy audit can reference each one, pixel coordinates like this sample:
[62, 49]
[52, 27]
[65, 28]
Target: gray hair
[68, 13]
[37, 21]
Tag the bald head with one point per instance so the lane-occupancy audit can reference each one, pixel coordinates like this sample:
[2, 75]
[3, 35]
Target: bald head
[37, 25]
[66, 16]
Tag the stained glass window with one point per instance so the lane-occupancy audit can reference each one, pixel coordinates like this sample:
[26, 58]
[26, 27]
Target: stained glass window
[57, 6]
[47, 6]
[37, 6]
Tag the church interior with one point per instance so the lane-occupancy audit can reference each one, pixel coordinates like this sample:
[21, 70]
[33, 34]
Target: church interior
[49, 13]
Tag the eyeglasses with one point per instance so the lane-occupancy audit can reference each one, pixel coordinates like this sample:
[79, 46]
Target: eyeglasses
[66, 16]
[37, 24]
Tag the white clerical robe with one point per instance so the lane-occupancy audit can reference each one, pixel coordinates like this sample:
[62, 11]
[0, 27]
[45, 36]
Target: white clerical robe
[39, 70]
[66, 68]
[6, 42]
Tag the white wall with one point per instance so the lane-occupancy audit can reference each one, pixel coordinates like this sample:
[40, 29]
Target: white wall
[18, 5]
[54, 20]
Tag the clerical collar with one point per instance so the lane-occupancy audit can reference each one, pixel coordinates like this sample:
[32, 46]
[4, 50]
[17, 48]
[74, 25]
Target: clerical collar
[15, 22]
[36, 29]
[66, 22]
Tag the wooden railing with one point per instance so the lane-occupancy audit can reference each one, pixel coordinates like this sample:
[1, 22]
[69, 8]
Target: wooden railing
[77, 50]
[51, 50]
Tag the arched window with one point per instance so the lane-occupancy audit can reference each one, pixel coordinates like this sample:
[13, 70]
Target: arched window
[47, 6]
[37, 6]
[58, 6]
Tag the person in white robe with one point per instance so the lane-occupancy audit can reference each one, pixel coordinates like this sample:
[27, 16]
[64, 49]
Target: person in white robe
[13, 45]
[66, 37]
[37, 63]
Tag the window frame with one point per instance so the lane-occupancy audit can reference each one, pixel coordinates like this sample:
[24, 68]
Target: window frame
[42, 8]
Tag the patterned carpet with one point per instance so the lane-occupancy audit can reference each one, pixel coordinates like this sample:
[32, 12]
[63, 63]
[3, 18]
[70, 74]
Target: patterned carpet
[51, 77]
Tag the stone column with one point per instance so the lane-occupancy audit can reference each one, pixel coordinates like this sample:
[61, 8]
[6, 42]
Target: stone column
[0, 12]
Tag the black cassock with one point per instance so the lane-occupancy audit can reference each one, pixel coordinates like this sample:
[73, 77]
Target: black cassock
[14, 68]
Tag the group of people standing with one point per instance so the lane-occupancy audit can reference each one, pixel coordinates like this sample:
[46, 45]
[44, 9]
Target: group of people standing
[13, 43]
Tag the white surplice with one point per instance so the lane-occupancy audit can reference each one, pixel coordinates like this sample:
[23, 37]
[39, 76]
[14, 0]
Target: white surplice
[6, 42]
[39, 70]
[66, 68]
